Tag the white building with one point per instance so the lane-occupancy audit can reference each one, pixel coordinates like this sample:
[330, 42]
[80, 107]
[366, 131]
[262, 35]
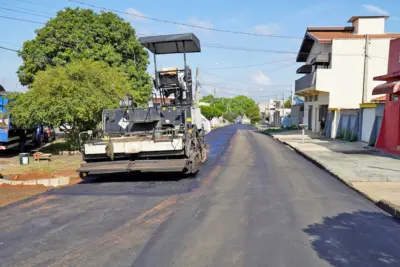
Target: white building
[334, 60]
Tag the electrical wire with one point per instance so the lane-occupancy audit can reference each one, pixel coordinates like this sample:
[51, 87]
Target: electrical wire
[24, 12]
[229, 79]
[254, 65]
[218, 46]
[236, 88]
[30, 10]
[25, 20]
[185, 24]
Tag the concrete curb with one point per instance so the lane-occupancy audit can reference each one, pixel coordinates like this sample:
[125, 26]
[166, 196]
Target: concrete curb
[383, 204]
[54, 182]
[69, 153]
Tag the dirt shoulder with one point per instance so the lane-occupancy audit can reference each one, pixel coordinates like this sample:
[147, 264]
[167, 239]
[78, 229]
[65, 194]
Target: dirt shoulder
[13, 193]
[59, 166]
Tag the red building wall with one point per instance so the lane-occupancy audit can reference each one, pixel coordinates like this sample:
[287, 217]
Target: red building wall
[389, 136]
[394, 57]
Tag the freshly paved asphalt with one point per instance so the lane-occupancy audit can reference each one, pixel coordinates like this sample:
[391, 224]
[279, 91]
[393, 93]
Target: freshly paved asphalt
[254, 203]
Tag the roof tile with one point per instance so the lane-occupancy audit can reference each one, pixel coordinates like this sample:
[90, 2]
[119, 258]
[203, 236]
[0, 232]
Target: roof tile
[327, 36]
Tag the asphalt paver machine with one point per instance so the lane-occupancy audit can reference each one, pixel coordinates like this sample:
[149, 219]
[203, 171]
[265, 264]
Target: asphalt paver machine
[165, 136]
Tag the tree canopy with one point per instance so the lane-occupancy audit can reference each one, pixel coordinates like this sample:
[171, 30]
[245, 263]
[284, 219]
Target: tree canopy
[230, 108]
[77, 34]
[288, 102]
[74, 94]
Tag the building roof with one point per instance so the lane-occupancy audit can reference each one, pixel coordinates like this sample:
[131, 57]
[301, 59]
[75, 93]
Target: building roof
[387, 88]
[388, 77]
[2, 88]
[325, 35]
[353, 18]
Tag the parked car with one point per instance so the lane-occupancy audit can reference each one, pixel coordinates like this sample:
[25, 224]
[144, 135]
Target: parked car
[49, 134]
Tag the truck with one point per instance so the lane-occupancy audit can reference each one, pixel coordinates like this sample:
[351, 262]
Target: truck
[12, 137]
[165, 136]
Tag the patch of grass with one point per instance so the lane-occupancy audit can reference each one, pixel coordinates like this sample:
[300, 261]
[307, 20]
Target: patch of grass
[340, 135]
[58, 146]
[347, 135]
[353, 138]
[59, 164]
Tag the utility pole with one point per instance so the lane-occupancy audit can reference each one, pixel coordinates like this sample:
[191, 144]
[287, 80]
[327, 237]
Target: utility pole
[215, 92]
[291, 95]
[283, 103]
[365, 82]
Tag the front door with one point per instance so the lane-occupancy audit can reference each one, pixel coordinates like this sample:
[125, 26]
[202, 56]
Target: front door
[309, 117]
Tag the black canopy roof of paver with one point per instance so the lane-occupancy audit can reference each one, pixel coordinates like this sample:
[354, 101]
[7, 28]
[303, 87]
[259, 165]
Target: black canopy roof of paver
[171, 44]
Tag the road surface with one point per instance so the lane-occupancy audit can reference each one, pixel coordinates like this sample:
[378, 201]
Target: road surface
[255, 203]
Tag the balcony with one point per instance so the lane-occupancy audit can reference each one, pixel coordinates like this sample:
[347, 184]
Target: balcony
[319, 80]
[307, 81]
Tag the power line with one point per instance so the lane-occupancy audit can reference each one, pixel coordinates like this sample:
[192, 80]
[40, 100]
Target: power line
[24, 12]
[236, 88]
[25, 20]
[219, 46]
[28, 2]
[232, 80]
[247, 49]
[185, 24]
[254, 65]
[27, 9]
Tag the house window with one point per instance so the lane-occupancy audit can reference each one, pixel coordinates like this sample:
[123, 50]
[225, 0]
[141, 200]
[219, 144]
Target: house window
[395, 97]
[316, 98]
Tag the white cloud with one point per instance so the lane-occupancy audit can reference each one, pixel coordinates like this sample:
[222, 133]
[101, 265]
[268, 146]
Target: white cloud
[376, 10]
[260, 77]
[265, 29]
[134, 12]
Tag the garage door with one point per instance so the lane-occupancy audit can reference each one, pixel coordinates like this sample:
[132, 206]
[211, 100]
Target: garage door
[367, 123]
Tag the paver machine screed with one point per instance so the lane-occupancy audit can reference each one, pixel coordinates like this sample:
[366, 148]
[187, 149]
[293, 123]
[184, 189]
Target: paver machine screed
[166, 136]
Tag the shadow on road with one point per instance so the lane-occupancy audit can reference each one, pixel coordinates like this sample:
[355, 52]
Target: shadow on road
[357, 239]
[135, 177]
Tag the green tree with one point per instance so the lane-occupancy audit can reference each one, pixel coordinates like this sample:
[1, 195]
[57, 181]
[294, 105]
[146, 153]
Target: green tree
[208, 99]
[76, 34]
[242, 103]
[209, 112]
[253, 113]
[288, 102]
[74, 94]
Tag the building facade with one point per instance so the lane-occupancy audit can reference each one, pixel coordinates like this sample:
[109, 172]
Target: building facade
[389, 135]
[339, 66]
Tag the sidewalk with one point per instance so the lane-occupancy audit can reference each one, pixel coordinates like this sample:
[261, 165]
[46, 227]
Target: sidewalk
[371, 173]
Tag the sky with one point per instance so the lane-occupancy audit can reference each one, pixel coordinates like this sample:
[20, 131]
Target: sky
[261, 75]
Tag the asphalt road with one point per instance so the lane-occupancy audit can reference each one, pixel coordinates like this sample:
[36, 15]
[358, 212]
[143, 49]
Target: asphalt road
[254, 203]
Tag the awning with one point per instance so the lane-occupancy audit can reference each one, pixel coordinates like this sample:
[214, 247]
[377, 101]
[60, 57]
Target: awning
[171, 44]
[387, 88]
[304, 69]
